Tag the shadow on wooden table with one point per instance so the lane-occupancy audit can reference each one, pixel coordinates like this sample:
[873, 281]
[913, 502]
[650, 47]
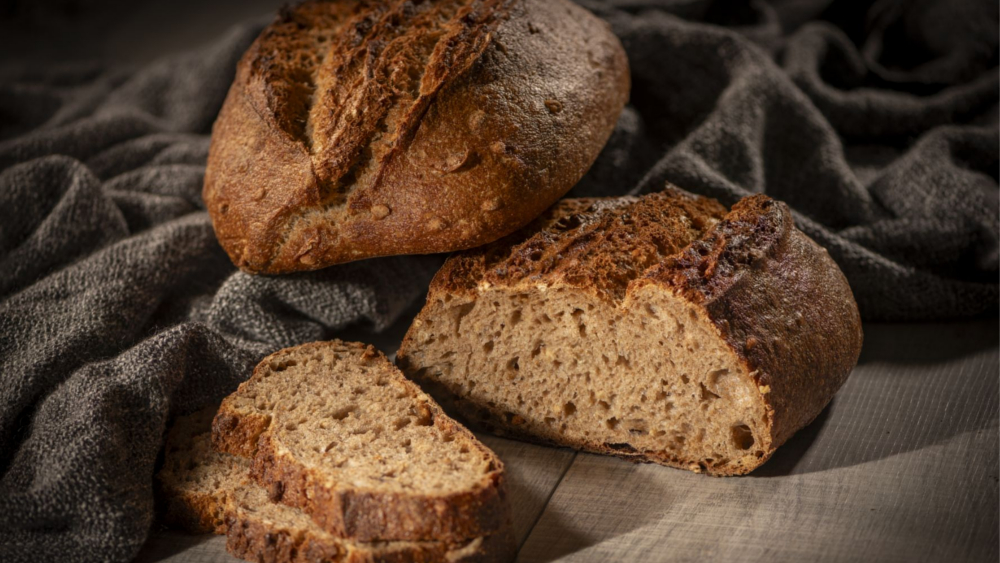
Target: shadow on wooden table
[560, 535]
[788, 456]
[170, 545]
[924, 343]
[915, 386]
[570, 541]
[613, 501]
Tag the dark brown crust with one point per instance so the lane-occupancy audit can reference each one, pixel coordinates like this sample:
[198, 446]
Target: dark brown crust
[408, 148]
[197, 514]
[778, 299]
[251, 540]
[367, 515]
[371, 516]
[598, 245]
[237, 434]
[780, 302]
[237, 509]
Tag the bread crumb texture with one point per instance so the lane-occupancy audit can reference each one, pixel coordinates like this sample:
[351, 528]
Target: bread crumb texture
[599, 327]
[344, 436]
[210, 491]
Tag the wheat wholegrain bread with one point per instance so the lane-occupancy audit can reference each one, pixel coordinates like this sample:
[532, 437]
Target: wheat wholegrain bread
[357, 129]
[197, 483]
[662, 328]
[209, 491]
[334, 429]
[262, 531]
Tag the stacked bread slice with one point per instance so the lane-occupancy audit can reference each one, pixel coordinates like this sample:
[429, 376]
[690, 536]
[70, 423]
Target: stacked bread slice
[328, 454]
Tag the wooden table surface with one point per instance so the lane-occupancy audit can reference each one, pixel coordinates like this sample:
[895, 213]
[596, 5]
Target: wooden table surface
[902, 466]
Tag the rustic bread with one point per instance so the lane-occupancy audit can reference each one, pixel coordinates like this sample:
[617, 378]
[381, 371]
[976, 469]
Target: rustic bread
[336, 430]
[659, 328]
[259, 530]
[196, 481]
[358, 129]
[212, 492]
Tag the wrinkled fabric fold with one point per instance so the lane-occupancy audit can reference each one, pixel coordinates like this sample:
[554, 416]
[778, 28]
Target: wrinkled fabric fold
[875, 122]
[892, 168]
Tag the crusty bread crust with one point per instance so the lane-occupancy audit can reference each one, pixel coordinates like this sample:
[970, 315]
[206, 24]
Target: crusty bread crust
[373, 516]
[363, 515]
[255, 530]
[194, 513]
[253, 540]
[777, 299]
[355, 130]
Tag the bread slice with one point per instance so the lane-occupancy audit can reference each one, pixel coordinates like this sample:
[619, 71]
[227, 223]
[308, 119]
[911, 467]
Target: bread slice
[262, 531]
[212, 492]
[335, 429]
[356, 129]
[660, 328]
[197, 482]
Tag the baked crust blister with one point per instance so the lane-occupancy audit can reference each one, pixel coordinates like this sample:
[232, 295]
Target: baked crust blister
[355, 130]
[771, 305]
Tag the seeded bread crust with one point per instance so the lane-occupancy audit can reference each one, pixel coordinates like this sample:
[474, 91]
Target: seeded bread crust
[780, 303]
[258, 530]
[360, 129]
[343, 510]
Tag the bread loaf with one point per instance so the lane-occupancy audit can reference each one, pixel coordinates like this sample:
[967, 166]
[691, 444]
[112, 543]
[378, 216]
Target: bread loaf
[208, 491]
[358, 129]
[335, 429]
[660, 328]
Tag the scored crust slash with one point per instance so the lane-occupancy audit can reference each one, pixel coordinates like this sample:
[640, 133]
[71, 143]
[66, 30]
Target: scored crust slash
[662, 328]
[360, 129]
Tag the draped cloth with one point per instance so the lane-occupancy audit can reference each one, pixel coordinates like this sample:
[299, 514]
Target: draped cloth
[876, 123]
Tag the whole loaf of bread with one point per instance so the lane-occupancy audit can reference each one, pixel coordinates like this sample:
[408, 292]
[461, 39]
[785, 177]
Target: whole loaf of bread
[359, 129]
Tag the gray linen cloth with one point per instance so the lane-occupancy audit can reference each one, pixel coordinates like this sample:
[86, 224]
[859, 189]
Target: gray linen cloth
[876, 123]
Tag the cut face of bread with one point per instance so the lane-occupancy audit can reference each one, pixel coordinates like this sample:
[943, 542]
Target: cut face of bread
[197, 482]
[213, 493]
[334, 429]
[659, 328]
[358, 129]
[651, 376]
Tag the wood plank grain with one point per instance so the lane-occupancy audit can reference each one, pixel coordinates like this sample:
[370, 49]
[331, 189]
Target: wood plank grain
[533, 473]
[903, 466]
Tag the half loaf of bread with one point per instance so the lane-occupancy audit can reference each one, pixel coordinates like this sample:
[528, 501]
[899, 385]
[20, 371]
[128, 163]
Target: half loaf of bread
[660, 328]
[208, 491]
[335, 429]
[357, 129]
